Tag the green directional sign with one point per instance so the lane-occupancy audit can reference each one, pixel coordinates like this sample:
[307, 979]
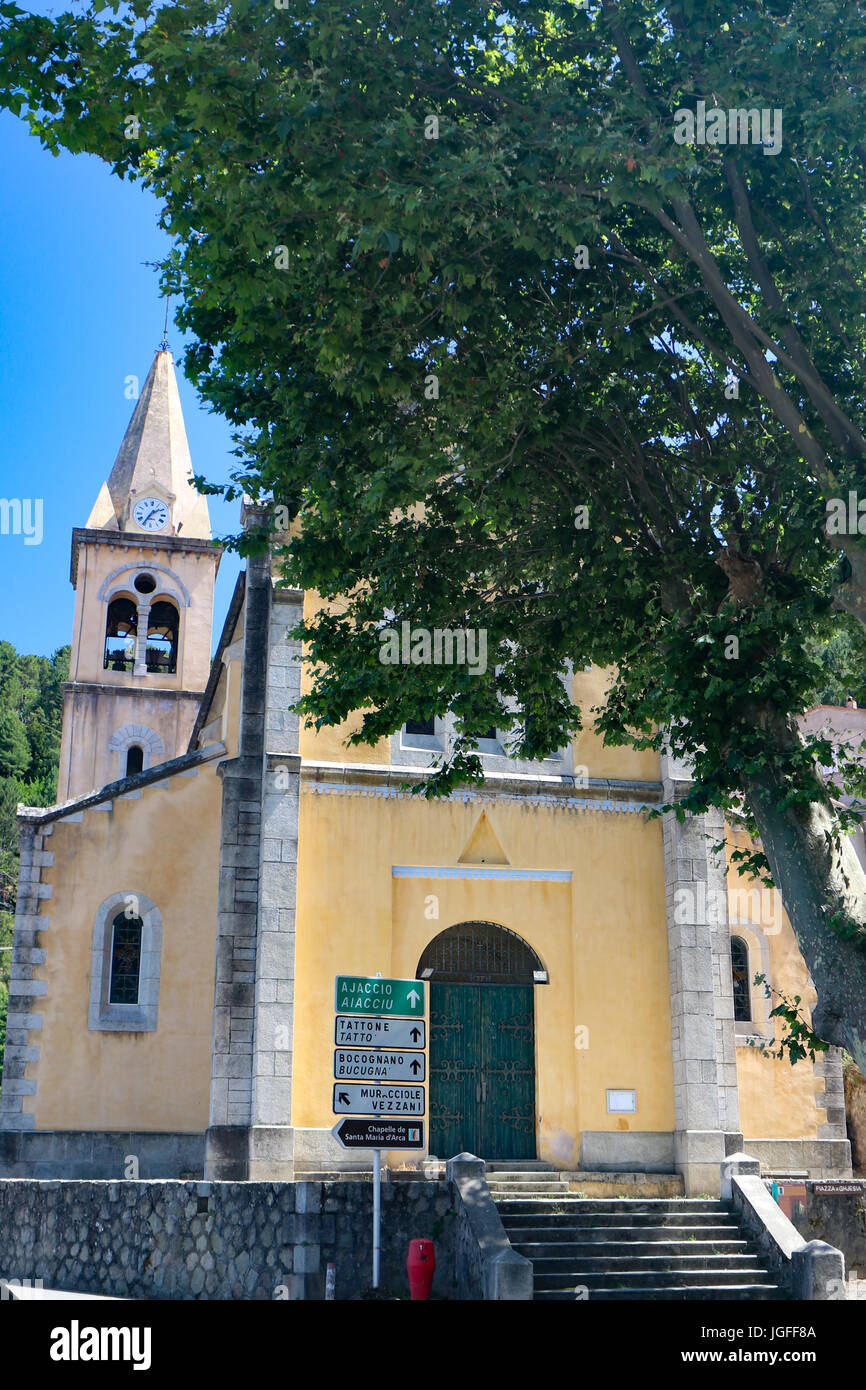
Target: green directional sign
[371, 995]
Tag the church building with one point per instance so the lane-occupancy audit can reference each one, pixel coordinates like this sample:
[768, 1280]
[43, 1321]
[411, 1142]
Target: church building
[211, 866]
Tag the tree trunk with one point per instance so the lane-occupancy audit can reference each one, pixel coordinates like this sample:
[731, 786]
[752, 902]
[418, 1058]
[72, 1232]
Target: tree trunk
[816, 879]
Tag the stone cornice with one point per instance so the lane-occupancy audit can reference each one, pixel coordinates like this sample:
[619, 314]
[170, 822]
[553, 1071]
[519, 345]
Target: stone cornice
[367, 779]
[42, 815]
[161, 691]
[174, 544]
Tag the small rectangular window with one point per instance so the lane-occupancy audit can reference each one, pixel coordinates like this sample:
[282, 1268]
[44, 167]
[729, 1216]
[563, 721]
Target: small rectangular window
[424, 727]
[621, 1102]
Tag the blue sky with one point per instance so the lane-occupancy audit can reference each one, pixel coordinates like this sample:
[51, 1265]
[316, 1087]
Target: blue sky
[79, 313]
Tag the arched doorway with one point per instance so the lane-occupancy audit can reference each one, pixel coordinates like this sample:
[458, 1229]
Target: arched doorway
[482, 1041]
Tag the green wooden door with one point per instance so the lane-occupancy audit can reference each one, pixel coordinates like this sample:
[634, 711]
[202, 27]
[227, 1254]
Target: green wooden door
[508, 1071]
[482, 1070]
[455, 1070]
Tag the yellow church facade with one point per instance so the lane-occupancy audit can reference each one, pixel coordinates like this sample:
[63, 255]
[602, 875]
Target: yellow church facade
[212, 866]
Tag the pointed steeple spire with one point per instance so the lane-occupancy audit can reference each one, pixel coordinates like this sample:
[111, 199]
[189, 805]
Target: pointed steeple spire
[153, 464]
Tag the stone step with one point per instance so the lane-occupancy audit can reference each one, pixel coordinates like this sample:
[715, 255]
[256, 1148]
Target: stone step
[540, 1178]
[534, 1190]
[557, 1210]
[649, 1279]
[631, 1263]
[520, 1165]
[666, 1293]
[632, 1249]
[534, 1187]
[533, 1194]
[628, 1235]
[576, 1220]
[616, 1206]
[333, 1175]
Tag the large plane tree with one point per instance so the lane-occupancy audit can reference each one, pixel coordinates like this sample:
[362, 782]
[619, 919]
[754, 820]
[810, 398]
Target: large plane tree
[545, 320]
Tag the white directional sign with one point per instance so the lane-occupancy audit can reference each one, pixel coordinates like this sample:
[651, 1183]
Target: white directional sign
[379, 1032]
[352, 1064]
[353, 1099]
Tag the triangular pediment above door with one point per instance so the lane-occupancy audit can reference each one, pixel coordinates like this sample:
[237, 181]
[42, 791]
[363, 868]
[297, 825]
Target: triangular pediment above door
[483, 845]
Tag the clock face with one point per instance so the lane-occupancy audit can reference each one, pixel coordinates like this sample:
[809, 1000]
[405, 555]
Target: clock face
[150, 514]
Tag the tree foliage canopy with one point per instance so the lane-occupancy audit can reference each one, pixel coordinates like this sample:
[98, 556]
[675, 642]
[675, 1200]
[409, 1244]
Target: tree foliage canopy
[520, 361]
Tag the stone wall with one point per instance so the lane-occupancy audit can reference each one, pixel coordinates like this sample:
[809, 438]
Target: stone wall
[838, 1217]
[855, 1105]
[55, 1153]
[221, 1240]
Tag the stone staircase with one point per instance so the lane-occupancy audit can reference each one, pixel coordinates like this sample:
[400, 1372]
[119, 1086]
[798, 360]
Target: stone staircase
[624, 1248]
[507, 1180]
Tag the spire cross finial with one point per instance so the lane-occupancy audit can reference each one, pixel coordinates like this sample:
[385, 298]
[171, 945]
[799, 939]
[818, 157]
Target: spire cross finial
[164, 344]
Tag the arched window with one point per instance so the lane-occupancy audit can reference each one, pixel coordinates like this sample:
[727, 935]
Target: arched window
[125, 959]
[162, 630]
[125, 965]
[120, 630]
[740, 973]
[134, 759]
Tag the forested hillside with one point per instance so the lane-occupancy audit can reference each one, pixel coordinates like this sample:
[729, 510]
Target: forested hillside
[31, 705]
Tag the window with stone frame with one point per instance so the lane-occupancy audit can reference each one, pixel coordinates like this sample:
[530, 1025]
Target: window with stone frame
[125, 965]
[740, 975]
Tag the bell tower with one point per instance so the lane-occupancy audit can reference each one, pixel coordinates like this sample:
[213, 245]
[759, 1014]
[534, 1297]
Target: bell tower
[143, 570]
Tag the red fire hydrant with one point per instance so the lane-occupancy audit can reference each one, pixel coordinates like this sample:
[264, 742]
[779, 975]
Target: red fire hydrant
[420, 1265]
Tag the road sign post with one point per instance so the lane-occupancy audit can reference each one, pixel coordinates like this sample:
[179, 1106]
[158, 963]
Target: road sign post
[371, 995]
[377, 1213]
[379, 1034]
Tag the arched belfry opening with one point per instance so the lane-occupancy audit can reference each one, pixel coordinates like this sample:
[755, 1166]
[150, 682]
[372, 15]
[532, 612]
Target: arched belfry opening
[162, 633]
[121, 626]
[482, 1041]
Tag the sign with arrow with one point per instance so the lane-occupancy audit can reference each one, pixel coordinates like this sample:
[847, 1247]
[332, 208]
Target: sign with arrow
[352, 1099]
[353, 1064]
[380, 1134]
[404, 1033]
[370, 994]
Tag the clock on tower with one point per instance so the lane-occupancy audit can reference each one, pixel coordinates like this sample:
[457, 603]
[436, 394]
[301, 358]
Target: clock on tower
[150, 514]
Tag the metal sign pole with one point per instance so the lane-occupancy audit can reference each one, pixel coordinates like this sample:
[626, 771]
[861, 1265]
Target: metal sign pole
[377, 1213]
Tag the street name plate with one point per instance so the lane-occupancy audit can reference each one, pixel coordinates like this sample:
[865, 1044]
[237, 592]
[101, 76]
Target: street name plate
[352, 1064]
[353, 1099]
[370, 994]
[380, 1134]
[404, 1033]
